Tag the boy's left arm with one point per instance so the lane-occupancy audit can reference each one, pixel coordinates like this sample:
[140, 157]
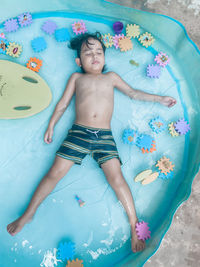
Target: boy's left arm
[135, 94]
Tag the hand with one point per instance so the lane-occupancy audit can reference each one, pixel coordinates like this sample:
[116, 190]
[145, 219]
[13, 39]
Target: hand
[48, 136]
[168, 101]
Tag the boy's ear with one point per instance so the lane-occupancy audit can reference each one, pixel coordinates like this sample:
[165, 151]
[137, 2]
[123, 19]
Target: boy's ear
[78, 61]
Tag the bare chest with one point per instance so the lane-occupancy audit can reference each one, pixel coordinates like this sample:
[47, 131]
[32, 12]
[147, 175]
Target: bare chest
[94, 88]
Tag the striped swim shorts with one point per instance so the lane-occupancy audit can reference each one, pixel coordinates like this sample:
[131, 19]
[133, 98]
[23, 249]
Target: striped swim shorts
[83, 140]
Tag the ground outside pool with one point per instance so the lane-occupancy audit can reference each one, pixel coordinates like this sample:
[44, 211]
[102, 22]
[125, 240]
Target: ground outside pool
[81, 223]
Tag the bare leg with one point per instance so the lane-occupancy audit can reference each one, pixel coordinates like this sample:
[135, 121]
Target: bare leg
[113, 173]
[58, 170]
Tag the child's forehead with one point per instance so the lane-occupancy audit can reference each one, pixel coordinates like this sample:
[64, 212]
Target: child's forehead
[92, 44]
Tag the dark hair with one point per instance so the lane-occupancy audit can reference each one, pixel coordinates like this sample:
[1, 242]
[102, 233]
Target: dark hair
[77, 42]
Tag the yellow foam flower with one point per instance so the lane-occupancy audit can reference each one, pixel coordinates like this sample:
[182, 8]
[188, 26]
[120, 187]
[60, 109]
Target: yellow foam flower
[146, 39]
[14, 50]
[107, 40]
[132, 30]
[172, 130]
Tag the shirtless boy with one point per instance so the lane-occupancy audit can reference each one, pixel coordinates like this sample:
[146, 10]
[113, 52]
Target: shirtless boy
[91, 132]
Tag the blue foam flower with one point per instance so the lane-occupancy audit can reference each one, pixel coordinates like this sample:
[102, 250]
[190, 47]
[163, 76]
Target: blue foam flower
[158, 124]
[145, 141]
[62, 35]
[164, 176]
[66, 251]
[3, 45]
[129, 136]
[38, 44]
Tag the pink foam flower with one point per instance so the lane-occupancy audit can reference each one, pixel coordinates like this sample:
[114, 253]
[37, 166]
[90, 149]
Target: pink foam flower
[142, 230]
[79, 27]
[162, 59]
[116, 39]
[2, 35]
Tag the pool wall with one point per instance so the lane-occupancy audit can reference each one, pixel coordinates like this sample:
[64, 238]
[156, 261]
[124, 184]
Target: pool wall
[174, 34]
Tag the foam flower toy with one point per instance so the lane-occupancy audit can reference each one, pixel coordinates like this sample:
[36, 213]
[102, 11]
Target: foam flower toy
[75, 263]
[164, 176]
[172, 130]
[165, 165]
[125, 44]
[38, 44]
[129, 136]
[62, 35]
[2, 35]
[79, 27]
[25, 19]
[158, 124]
[162, 59]
[66, 251]
[153, 71]
[11, 25]
[146, 143]
[49, 27]
[181, 126]
[116, 38]
[107, 40]
[14, 50]
[34, 64]
[3, 45]
[132, 30]
[146, 39]
[142, 230]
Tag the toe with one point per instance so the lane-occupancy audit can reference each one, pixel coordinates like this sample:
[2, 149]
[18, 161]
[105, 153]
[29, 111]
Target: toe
[134, 248]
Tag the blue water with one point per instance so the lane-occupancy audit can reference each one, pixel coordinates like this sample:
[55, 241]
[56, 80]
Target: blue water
[100, 230]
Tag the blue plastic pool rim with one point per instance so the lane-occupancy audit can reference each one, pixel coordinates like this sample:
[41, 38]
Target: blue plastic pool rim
[98, 19]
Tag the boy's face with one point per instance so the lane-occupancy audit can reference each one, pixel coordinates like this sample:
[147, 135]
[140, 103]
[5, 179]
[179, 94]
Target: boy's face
[92, 57]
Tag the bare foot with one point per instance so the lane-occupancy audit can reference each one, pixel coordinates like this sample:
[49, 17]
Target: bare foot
[16, 226]
[136, 244]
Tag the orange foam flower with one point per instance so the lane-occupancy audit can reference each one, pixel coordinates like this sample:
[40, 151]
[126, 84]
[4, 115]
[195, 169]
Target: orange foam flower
[34, 64]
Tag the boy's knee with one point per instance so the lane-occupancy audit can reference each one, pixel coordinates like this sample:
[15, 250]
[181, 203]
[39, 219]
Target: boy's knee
[116, 180]
[55, 173]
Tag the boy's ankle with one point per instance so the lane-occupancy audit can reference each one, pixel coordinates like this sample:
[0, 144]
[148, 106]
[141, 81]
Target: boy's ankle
[133, 223]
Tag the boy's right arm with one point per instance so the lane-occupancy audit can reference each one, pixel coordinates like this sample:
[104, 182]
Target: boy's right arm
[61, 106]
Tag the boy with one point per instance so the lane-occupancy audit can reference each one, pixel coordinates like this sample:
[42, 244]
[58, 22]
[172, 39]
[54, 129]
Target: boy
[91, 132]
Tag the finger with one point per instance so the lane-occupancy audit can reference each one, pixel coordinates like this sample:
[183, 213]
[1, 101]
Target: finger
[171, 104]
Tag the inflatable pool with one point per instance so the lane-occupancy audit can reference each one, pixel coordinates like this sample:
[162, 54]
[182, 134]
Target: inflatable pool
[96, 234]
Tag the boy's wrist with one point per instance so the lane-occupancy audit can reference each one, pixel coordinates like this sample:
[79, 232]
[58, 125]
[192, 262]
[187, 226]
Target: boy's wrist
[51, 126]
[158, 98]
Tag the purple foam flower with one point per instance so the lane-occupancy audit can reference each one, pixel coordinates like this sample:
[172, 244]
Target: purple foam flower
[181, 126]
[25, 19]
[49, 27]
[11, 25]
[153, 71]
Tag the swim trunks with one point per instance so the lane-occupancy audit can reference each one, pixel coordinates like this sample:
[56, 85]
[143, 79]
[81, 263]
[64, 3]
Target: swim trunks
[83, 140]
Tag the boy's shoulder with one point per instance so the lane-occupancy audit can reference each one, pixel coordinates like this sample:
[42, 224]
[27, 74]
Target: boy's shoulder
[110, 74]
[76, 75]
